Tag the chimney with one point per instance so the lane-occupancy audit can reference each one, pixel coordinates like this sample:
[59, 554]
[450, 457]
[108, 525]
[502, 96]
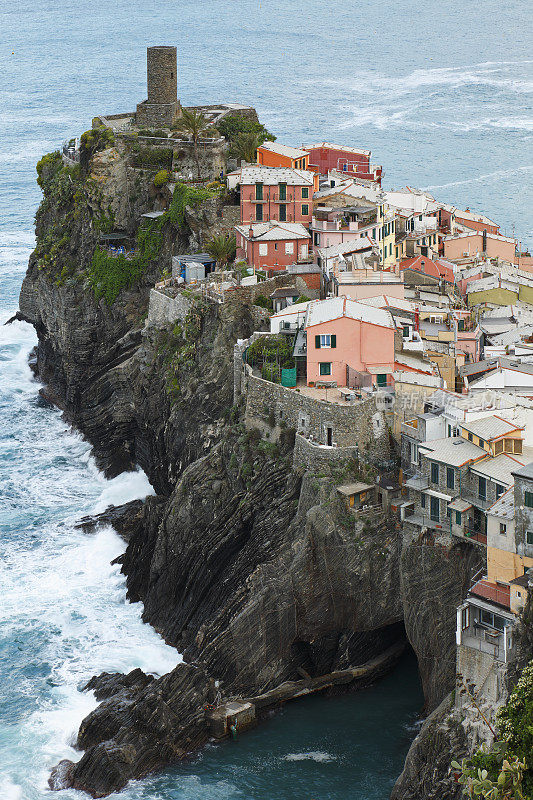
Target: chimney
[250, 232]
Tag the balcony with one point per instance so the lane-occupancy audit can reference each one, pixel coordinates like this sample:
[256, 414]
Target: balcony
[410, 428]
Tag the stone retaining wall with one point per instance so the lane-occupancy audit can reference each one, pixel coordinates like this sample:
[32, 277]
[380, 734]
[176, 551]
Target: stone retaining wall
[163, 309]
[271, 407]
[312, 456]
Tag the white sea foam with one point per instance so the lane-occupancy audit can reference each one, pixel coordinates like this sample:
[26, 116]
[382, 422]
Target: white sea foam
[497, 174]
[8, 789]
[63, 601]
[313, 755]
[125, 487]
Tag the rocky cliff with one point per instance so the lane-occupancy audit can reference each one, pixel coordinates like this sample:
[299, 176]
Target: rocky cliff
[254, 570]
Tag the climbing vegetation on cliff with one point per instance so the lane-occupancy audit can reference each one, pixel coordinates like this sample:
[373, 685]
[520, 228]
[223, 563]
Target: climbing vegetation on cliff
[47, 167]
[92, 141]
[506, 771]
[180, 348]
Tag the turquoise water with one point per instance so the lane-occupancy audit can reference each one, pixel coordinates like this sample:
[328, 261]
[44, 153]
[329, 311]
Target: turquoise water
[442, 96]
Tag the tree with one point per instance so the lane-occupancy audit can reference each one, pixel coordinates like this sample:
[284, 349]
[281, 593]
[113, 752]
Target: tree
[245, 146]
[222, 248]
[195, 124]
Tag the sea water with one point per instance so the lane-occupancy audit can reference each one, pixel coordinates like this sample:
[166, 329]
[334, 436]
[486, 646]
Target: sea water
[441, 94]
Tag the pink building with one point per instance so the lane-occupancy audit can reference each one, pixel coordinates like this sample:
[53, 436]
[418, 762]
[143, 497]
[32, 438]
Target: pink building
[355, 163]
[343, 334]
[275, 193]
[469, 244]
[332, 226]
[272, 245]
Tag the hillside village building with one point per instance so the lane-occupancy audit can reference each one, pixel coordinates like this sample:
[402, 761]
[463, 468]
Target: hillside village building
[325, 157]
[275, 154]
[272, 246]
[274, 193]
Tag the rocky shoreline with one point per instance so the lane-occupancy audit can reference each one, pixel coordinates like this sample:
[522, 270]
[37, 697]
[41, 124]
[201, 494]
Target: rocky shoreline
[246, 564]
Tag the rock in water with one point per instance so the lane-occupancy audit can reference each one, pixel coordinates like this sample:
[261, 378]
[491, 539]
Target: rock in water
[129, 736]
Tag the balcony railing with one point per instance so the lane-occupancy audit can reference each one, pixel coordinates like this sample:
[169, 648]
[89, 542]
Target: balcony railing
[411, 428]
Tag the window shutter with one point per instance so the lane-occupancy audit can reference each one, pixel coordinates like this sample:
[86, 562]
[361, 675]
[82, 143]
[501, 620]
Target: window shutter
[333, 340]
[317, 341]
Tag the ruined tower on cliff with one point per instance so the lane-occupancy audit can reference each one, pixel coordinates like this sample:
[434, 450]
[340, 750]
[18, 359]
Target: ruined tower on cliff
[162, 106]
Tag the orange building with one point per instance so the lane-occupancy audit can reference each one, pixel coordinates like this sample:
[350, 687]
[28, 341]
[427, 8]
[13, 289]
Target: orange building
[274, 154]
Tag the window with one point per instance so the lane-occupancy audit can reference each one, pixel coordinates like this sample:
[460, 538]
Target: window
[450, 477]
[325, 340]
[305, 193]
[470, 437]
[282, 213]
[457, 517]
[529, 537]
[493, 620]
[259, 213]
[283, 191]
[390, 249]
[503, 529]
[263, 249]
[258, 191]
[373, 233]
[434, 513]
[381, 379]
[304, 251]
[422, 500]
[405, 331]
[325, 367]
[461, 325]
[482, 442]
[305, 210]
[414, 453]
[482, 488]
[434, 473]
[528, 500]
[518, 446]
[396, 252]
[499, 490]
[498, 447]
[289, 248]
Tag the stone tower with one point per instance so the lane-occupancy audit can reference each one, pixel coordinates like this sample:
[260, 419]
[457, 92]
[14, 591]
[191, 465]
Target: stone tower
[162, 107]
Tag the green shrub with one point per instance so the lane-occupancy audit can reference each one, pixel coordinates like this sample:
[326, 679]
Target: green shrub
[48, 166]
[161, 178]
[92, 141]
[231, 127]
[506, 770]
[264, 302]
[152, 156]
[303, 299]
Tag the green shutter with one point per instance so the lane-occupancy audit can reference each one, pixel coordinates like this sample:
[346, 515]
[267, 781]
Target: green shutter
[333, 340]
[317, 341]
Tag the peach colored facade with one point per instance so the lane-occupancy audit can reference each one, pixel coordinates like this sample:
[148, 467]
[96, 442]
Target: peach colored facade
[271, 159]
[360, 345]
[294, 205]
[360, 291]
[496, 247]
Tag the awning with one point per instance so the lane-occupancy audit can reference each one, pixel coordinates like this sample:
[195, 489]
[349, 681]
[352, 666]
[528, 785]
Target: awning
[440, 495]
[459, 505]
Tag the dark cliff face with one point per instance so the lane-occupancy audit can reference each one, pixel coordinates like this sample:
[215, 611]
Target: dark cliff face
[254, 570]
